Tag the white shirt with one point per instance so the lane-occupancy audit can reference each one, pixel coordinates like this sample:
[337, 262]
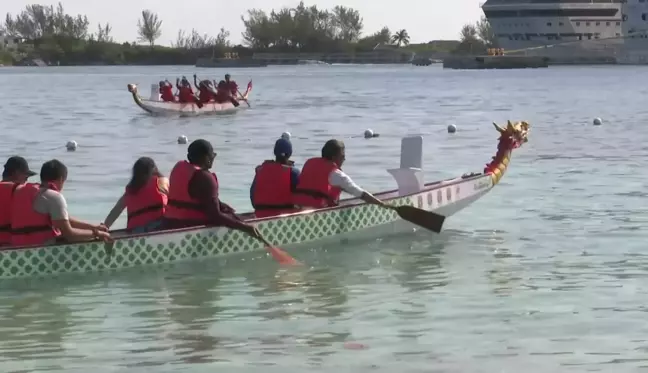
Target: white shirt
[343, 181]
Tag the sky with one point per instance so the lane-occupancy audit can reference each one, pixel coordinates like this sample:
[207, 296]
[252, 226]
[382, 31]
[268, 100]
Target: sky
[424, 20]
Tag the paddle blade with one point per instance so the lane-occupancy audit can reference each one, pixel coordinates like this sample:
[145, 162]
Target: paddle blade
[281, 256]
[422, 218]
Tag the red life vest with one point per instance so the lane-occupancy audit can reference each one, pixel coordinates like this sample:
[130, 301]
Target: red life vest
[185, 94]
[145, 206]
[167, 93]
[313, 189]
[181, 206]
[272, 194]
[7, 189]
[205, 95]
[232, 86]
[29, 227]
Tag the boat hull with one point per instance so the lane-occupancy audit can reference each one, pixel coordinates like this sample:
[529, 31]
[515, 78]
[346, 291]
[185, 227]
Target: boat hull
[352, 218]
[155, 106]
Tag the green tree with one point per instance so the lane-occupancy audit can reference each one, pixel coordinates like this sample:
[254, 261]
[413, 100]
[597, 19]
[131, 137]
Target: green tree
[485, 33]
[401, 37]
[149, 27]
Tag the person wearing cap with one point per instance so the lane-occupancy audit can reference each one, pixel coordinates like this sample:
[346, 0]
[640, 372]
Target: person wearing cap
[193, 194]
[40, 215]
[206, 92]
[274, 182]
[16, 172]
[322, 181]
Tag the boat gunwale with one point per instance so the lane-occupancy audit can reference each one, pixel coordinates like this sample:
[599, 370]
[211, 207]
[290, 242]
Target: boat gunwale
[344, 204]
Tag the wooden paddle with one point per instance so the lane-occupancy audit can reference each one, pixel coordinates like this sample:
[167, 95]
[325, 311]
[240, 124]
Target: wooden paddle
[243, 98]
[279, 255]
[426, 219]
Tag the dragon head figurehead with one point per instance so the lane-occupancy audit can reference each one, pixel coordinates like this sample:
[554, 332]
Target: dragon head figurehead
[512, 137]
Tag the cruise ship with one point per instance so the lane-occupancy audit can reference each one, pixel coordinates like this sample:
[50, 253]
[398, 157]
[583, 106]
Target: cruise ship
[605, 27]
[523, 24]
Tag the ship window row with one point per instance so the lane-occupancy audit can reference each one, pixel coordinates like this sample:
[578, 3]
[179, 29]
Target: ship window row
[553, 36]
[491, 14]
[577, 23]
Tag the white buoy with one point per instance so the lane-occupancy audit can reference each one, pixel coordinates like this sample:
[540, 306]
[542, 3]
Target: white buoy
[71, 145]
[368, 133]
[286, 135]
[182, 139]
[452, 128]
[598, 121]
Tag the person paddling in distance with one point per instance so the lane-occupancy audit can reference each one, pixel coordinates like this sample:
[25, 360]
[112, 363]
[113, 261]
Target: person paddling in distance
[206, 92]
[166, 91]
[274, 182]
[40, 215]
[193, 194]
[231, 85]
[144, 199]
[16, 172]
[322, 181]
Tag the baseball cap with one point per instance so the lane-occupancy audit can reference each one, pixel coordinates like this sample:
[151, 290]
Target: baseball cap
[17, 164]
[283, 148]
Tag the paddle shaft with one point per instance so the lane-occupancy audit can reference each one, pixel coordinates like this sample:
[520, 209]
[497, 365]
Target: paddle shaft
[243, 98]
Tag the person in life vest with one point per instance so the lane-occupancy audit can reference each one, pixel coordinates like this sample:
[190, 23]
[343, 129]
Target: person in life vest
[206, 92]
[322, 181]
[193, 194]
[231, 85]
[144, 199]
[16, 172]
[166, 91]
[40, 216]
[223, 94]
[274, 182]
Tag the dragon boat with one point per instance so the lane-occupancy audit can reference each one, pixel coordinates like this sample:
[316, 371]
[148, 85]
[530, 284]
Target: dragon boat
[351, 219]
[155, 106]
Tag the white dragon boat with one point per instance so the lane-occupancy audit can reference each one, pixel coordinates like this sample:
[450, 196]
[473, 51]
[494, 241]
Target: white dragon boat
[155, 106]
[351, 219]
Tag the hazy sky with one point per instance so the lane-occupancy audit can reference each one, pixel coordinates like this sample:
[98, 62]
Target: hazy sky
[424, 20]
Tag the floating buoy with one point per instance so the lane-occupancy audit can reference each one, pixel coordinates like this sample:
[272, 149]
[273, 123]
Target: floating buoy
[355, 346]
[369, 134]
[286, 136]
[71, 145]
[452, 128]
[598, 121]
[182, 139]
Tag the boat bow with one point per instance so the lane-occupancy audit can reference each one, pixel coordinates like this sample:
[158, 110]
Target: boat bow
[511, 137]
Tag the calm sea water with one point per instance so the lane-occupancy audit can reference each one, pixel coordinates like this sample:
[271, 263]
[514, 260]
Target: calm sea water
[547, 273]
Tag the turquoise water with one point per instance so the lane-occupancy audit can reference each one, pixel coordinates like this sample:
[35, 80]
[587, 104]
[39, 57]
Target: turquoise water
[545, 273]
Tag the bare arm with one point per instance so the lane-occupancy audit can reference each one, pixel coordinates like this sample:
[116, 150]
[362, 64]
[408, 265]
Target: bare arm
[72, 234]
[115, 212]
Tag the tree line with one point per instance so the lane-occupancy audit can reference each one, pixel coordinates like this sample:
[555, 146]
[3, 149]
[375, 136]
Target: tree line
[49, 33]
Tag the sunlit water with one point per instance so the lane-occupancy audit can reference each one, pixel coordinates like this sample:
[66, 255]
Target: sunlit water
[546, 273]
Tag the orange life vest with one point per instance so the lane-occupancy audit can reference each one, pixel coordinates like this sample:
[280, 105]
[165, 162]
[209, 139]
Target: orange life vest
[313, 189]
[7, 189]
[29, 227]
[145, 206]
[181, 206]
[272, 192]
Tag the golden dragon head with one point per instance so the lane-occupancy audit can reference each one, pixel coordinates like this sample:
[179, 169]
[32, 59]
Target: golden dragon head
[514, 135]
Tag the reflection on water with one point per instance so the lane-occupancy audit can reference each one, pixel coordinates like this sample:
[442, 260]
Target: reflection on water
[547, 273]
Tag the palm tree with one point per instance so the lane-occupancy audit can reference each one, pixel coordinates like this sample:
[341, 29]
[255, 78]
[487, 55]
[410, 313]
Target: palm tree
[149, 28]
[401, 37]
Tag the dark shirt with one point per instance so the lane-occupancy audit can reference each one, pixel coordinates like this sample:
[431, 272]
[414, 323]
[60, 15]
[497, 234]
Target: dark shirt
[204, 189]
[294, 180]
